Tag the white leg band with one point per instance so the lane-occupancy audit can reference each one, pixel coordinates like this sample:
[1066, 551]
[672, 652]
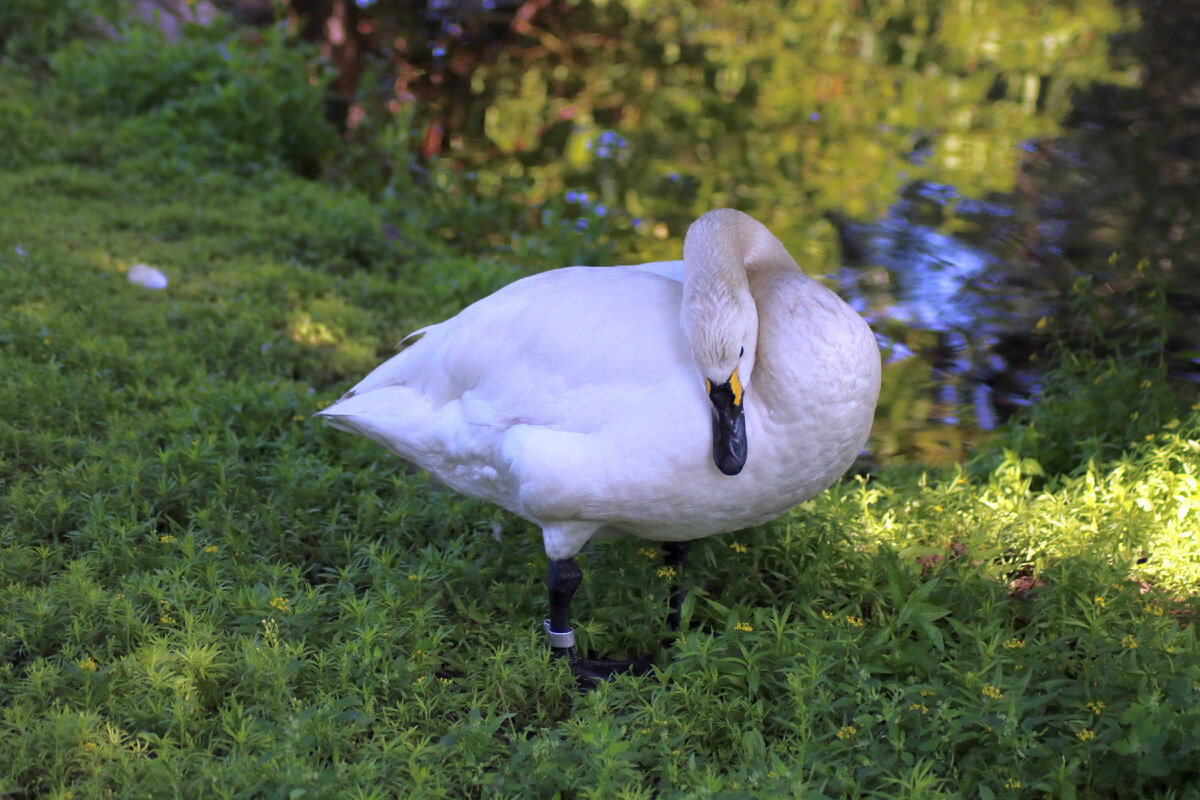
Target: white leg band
[559, 639]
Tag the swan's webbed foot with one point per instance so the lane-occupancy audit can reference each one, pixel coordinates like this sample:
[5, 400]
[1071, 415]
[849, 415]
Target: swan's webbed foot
[590, 672]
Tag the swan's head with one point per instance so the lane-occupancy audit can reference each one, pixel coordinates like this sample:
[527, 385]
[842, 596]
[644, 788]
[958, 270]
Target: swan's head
[720, 321]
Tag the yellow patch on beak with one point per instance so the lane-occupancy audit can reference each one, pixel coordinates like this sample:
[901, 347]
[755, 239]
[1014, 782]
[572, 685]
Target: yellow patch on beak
[735, 383]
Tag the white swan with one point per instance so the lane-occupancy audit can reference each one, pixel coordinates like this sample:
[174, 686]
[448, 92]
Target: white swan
[601, 401]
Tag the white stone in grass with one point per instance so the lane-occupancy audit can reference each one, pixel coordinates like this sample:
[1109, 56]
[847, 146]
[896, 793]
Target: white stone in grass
[145, 275]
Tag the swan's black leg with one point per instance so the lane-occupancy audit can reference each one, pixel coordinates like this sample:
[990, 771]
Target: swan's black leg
[564, 578]
[676, 556]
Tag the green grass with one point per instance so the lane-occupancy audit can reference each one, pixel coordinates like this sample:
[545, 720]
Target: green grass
[205, 593]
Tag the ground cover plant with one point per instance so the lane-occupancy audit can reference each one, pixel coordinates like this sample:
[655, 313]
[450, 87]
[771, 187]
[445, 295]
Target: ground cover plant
[205, 594]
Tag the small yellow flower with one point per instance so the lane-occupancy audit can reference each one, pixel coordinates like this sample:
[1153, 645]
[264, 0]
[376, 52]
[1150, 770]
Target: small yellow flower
[415, 577]
[88, 664]
[1096, 706]
[279, 603]
[855, 621]
[666, 572]
[1146, 384]
[1100, 602]
[1134, 415]
[167, 619]
[1170, 649]
[738, 547]
[1086, 734]
[421, 679]
[167, 539]
[90, 747]
[924, 709]
[743, 626]
[119, 596]
[1014, 643]
[212, 548]
[1012, 783]
[1129, 642]
[827, 614]
[846, 732]
[927, 693]
[993, 692]
[1196, 407]
[446, 681]
[418, 654]
[645, 731]
[1156, 610]
[648, 553]
[1041, 323]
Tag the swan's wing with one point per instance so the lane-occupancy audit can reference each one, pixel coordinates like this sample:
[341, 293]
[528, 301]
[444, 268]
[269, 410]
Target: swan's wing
[570, 371]
[667, 269]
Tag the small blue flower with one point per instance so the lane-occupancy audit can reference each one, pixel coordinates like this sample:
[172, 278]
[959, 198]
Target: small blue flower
[601, 211]
[439, 51]
[572, 197]
[581, 223]
[637, 221]
[814, 116]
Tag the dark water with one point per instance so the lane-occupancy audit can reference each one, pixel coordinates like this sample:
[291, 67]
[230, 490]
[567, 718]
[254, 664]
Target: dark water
[957, 170]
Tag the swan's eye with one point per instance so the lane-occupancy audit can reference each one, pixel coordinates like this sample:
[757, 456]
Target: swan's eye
[741, 352]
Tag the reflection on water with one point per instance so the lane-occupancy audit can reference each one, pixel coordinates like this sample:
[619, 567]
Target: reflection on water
[953, 167]
[903, 274]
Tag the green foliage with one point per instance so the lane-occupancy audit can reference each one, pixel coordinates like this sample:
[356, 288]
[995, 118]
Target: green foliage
[30, 29]
[213, 97]
[1109, 383]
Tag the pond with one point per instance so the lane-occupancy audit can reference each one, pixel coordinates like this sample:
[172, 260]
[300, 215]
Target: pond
[954, 168]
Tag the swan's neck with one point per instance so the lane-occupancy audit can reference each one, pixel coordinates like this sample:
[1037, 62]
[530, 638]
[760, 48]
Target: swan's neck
[721, 251]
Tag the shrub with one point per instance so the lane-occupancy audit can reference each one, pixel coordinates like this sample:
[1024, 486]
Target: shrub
[31, 29]
[215, 96]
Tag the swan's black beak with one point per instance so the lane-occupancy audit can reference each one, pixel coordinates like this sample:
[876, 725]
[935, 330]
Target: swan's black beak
[729, 425]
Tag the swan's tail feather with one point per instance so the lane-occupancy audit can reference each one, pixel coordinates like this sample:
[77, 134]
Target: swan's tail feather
[394, 416]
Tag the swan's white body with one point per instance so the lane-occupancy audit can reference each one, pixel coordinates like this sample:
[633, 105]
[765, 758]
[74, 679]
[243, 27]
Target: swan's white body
[576, 398]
